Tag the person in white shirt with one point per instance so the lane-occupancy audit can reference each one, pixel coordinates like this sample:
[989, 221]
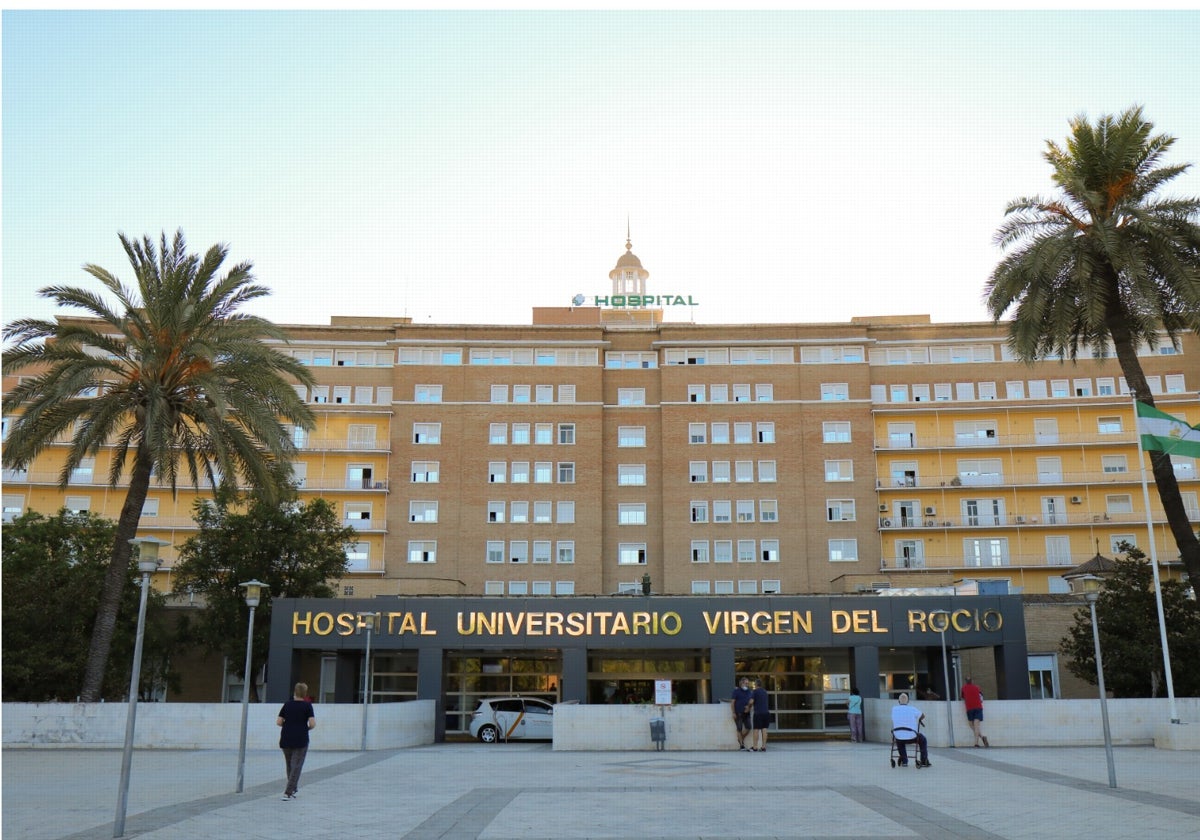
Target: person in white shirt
[908, 719]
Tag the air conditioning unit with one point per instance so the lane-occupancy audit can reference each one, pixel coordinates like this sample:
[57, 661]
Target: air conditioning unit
[1020, 520]
[930, 510]
[886, 523]
[883, 508]
[929, 523]
[1075, 500]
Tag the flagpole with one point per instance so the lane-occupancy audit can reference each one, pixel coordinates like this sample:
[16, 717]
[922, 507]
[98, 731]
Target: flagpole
[1162, 619]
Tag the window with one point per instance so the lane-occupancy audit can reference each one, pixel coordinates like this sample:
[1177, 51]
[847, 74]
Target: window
[631, 554]
[771, 587]
[520, 434]
[539, 587]
[566, 513]
[699, 511]
[1174, 383]
[631, 436]
[768, 510]
[629, 360]
[764, 392]
[518, 512]
[150, 508]
[77, 504]
[498, 433]
[495, 512]
[835, 431]
[564, 551]
[720, 472]
[835, 391]
[975, 432]
[745, 551]
[518, 551]
[698, 472]
[987, 390]
[699, 551]
[1118, 503]
[978, 472]
[566, 394]
[697, 433]
[741, 393]
[745, 510]
[360, 437]
[499, 393]
[986, 512]
[766, 432]
[1043, 676]
[1014, 390]
[631, 396]
[941, 391]
[543, 394]
[520, 472]
[543, 434]
[566, 434]
[82, 474]
[423, 551]
[542, 471]
[1109, 425]
[743, 471]
[14, 506]
[769, 551]
[564, 587]
[1059, 388]
[902, 435]
[320, 393]
[1058, 551]
[742, 433]
[493, 587]
[718, 393]
[720, 433]
[991, 551]
[341, 394]
[899, 394]
[766, 471]
[1114, 463]
[427, 433]
[843, 550]
[520, 393]
[964, 390]
[839, 470]
[701, 587]
[723, 587]
[497, 471]
[920, 393]
[359, 477]
[840, 510]
[631, 475]
[1037, 389]
[722, 511]
[541, 554]
[419, 511]
[633, 513]
[566, 472]
[1045, 430]
[358, 556]
[723, 551]
[695, 393]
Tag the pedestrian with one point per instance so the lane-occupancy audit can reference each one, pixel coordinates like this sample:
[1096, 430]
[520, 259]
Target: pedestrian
[296, 718]
[973, 700]
[760, 717]
[908, 719]
[743, 698]
[854, 710]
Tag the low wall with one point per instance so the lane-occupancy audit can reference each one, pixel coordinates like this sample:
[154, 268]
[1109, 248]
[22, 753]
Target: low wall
[212, 725]
[1051, 723]
[627, 727]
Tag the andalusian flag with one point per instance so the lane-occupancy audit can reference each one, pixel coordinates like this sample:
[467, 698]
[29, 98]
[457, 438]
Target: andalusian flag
[1165, 433]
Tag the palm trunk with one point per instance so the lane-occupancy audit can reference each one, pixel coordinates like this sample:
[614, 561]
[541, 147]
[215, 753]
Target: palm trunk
[1164, 474]
[114, 580]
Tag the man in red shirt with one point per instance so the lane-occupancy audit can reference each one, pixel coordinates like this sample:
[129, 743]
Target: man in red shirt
[973, 700]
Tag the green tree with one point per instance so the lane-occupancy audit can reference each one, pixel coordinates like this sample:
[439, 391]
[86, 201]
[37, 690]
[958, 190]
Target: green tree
[1105, 260]
[295, 549]
[53, 568]
[1129, 634]
[173, 378]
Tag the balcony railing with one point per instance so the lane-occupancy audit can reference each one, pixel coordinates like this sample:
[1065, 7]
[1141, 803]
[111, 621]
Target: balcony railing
[1125, 437]
[1010, 520]
[365, 524]
[960, 562]
[1026, 479]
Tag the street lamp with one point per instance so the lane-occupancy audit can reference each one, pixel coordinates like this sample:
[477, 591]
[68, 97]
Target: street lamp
[254, 590]
[1090, 586]
[945, 616]
[148, 563]
[367, 620]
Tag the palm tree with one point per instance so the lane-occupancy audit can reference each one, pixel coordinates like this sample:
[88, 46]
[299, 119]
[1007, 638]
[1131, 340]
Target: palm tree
[1105, 260]
[172, 376]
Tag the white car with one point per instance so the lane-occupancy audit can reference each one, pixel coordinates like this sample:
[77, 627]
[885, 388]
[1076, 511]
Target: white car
[512, 718]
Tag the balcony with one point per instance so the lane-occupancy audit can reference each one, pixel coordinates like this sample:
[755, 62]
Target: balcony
[907, 443]
[959, 562]
[365, 524]
[1013, 520]
[942, 481]
[309, 484]
[343, 445]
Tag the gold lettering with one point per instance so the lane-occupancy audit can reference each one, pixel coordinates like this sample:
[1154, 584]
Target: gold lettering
[554, 623]
[760, 623]
[916, 621]
[488, 623]
[739, 622]
[939, 622]
[712, 622]
[408, 624]
[323, 623]
[533, 624]
[954, 617]
[298, 622]
[641, 623]
[469, 630]
[676, 623]
[805, 621]
[840, 620]
[992, 621]
[345, 623]
[425, 629]
[603, 616]
[514, 626]
[620, 624]
[575, 624]
[875, 626]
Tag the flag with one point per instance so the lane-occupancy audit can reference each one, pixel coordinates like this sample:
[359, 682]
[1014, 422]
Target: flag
[1165, 433]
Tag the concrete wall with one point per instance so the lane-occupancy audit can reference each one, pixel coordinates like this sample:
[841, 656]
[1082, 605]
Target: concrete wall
[627, 727]
[211, 725]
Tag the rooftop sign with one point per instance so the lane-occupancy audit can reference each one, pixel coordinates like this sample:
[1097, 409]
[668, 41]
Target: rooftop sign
[635, 301]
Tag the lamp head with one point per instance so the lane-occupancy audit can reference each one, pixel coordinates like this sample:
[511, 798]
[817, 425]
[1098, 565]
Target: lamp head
[147, 553]
[254, 590]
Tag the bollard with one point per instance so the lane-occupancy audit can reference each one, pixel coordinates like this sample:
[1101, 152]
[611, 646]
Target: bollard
[658, 733]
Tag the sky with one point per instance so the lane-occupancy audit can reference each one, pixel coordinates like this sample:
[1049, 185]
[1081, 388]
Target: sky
[467, 166]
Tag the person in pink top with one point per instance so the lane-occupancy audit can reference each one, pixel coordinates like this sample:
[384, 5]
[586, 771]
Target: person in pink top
[973, 700]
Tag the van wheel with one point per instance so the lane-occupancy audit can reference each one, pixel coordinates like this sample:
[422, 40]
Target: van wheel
[488, 734]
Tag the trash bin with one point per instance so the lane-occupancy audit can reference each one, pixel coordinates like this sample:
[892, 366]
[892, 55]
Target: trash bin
[658, 733]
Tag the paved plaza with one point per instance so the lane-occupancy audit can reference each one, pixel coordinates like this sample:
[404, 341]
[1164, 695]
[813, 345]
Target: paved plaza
[528, 791]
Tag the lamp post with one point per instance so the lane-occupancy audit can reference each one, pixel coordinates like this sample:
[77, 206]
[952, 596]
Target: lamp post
[148, 563]
[945, 622]
[254, 590]
[1090, 586]
[368, 621]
